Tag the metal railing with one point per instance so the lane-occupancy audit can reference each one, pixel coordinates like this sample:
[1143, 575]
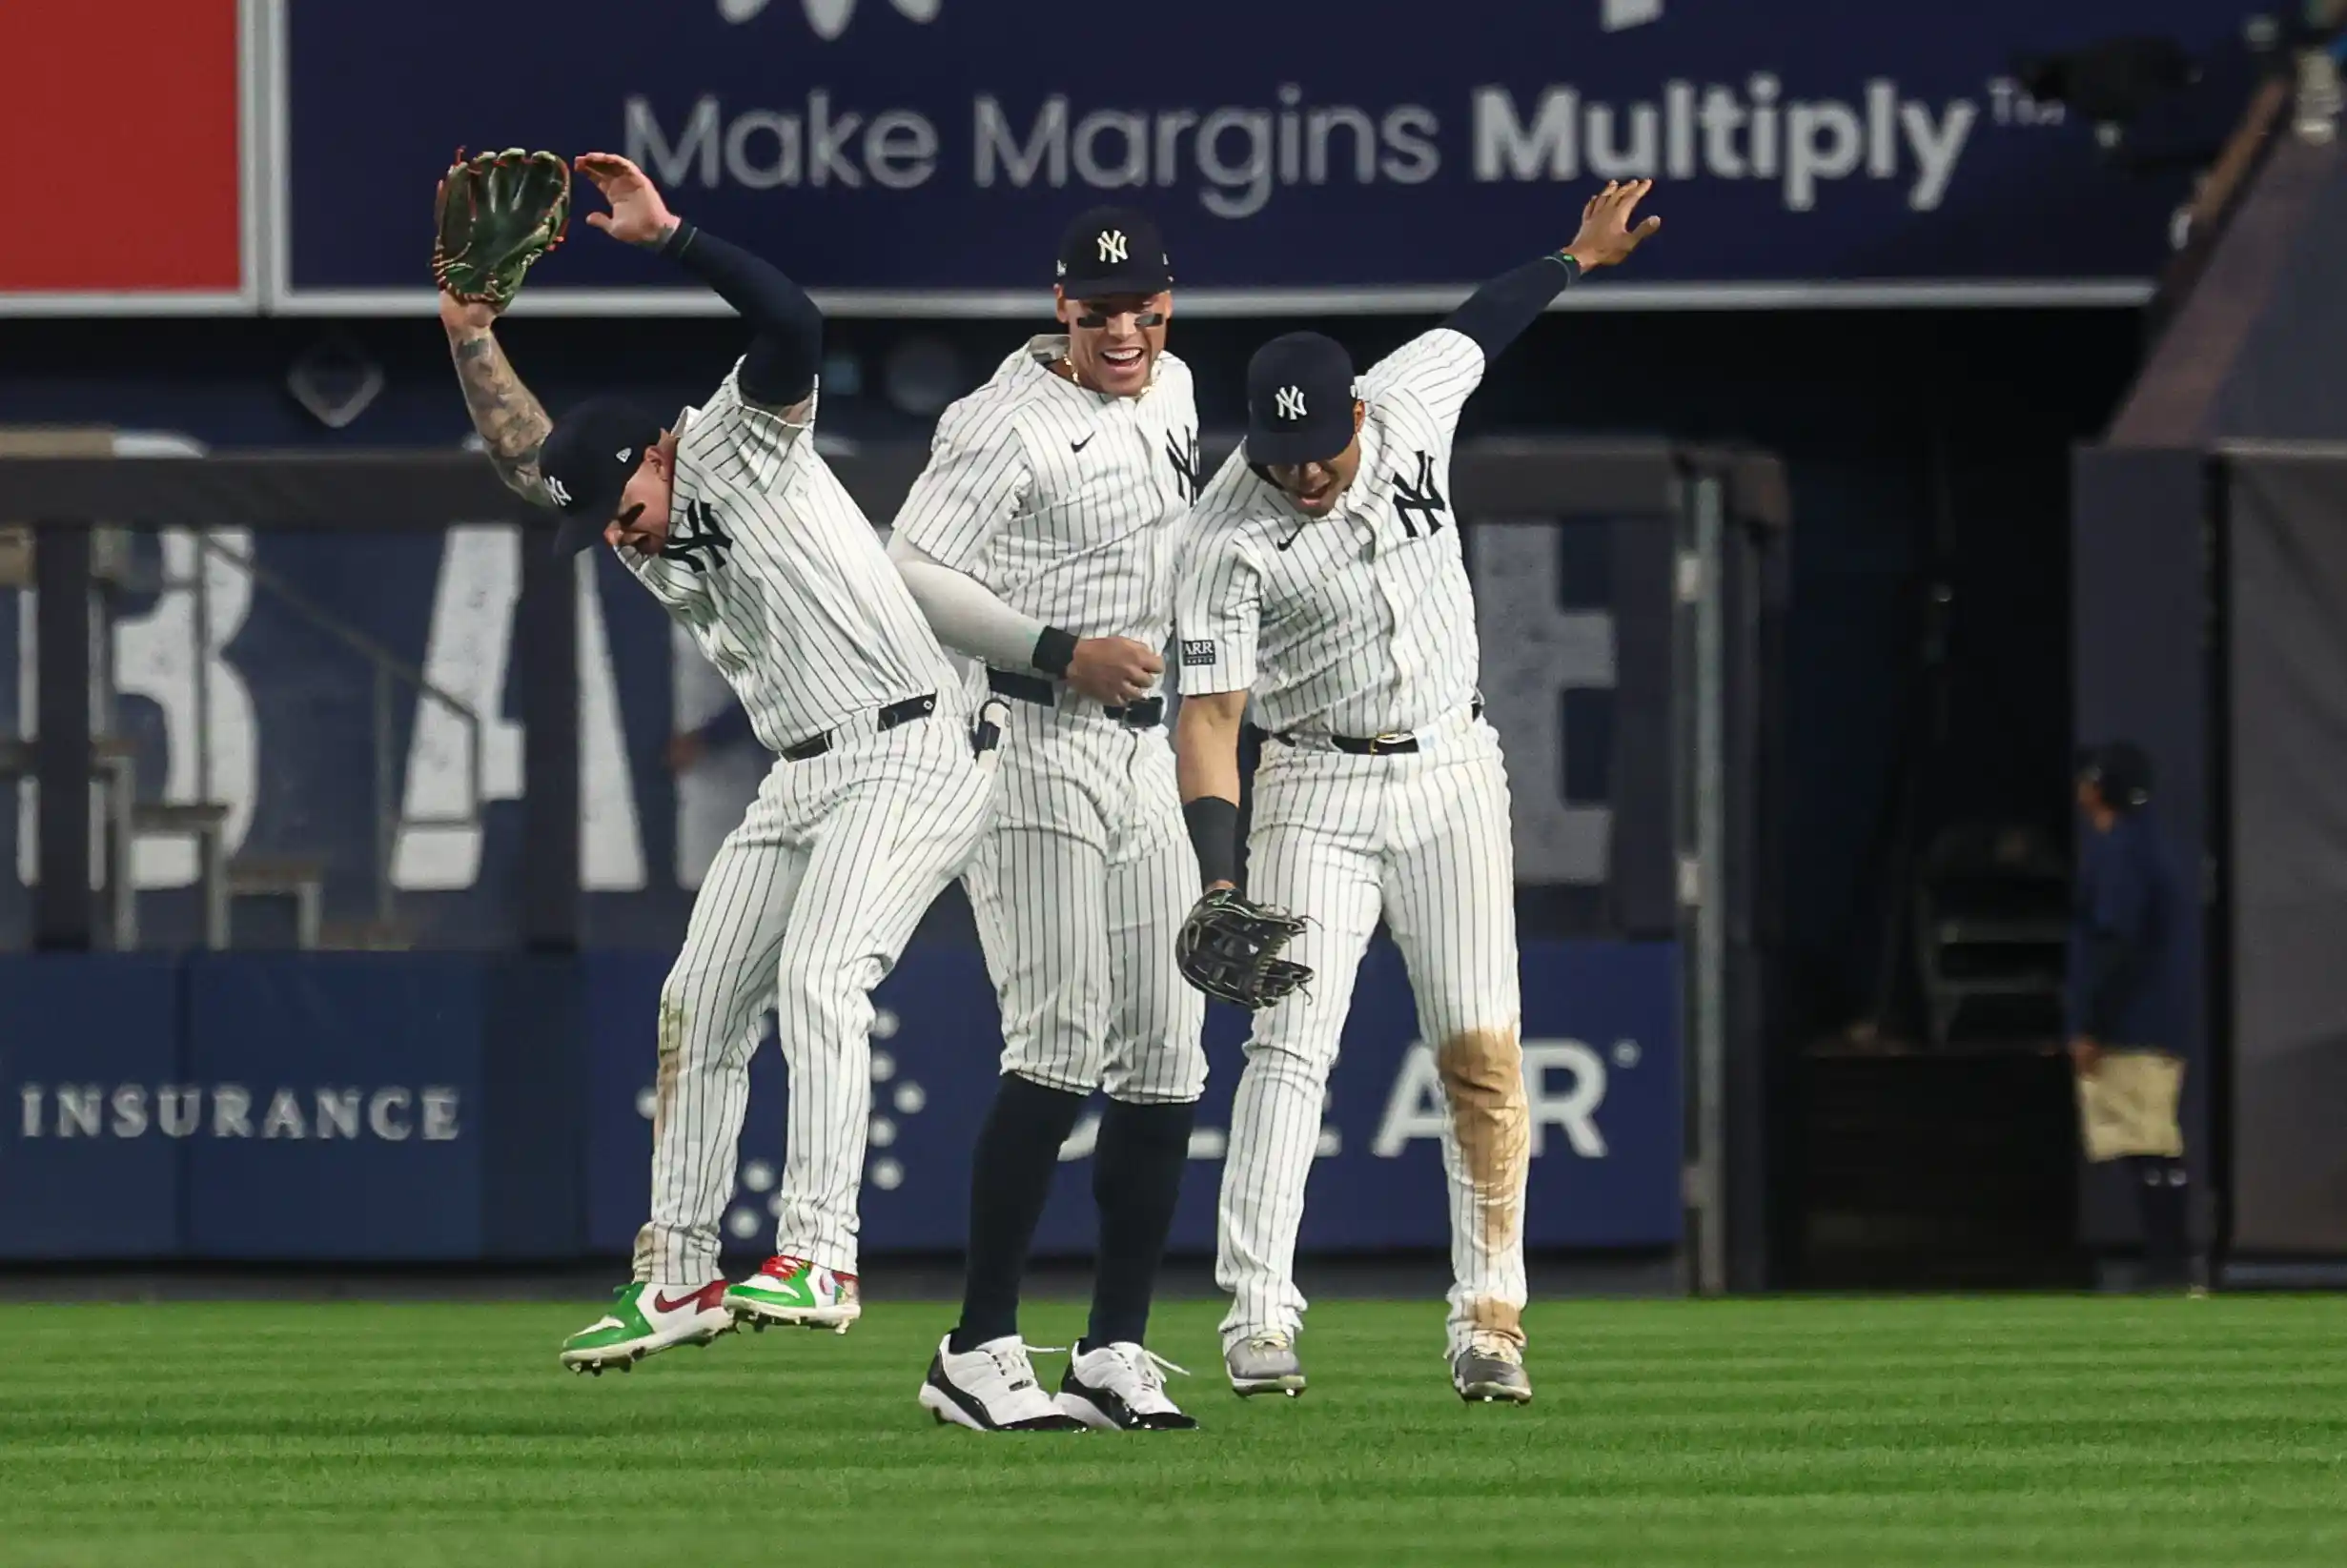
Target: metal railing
[389, 818]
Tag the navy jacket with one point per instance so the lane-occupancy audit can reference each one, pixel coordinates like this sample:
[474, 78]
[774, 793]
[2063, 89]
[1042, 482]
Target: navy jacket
[2126, 972]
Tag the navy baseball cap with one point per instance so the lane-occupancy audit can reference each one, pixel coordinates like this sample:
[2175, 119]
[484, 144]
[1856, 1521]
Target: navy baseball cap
[1299, 400]
[2121, 770]
[1112, 250]
[589, 456]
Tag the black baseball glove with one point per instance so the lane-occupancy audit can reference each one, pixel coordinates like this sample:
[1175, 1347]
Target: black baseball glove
[495, 215]
[1229, 948]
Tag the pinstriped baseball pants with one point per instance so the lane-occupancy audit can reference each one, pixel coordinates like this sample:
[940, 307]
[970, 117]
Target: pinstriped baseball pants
[809, 904]
[1423, 838]
[1079, 889]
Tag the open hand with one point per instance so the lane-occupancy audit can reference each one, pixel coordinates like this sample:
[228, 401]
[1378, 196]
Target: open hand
[1606, 236]
[638, 215]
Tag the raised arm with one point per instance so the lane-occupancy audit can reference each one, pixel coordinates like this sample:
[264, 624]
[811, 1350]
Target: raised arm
[511, 422]
[1497, 313]
[778, 371]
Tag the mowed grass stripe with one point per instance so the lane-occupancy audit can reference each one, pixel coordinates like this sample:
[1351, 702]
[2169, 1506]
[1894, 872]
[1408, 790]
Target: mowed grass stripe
[2013, 1430]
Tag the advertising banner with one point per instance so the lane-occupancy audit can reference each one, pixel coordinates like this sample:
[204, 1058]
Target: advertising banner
[415, 1108]
[296, 1107]
[145, 98]
[920, 157]
[89, 1048]
[337, 1106]
[1601, 1061]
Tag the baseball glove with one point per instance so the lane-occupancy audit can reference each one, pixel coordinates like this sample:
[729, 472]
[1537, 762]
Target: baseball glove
[496, 213]
[1229, 948]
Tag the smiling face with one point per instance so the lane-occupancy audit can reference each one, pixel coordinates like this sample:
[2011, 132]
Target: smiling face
[1113, 341]
[1316, 487]
[641, 523]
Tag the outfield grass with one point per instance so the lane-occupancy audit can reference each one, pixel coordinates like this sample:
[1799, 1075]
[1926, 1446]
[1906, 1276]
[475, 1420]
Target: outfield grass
[2055, 1431]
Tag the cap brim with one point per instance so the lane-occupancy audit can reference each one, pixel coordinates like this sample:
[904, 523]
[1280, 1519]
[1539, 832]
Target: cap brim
[575, 535]
[1098, 288]
[1288, 448]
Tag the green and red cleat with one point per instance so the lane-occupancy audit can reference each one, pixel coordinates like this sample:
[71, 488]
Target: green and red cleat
[792, 1290]
[645, 1319]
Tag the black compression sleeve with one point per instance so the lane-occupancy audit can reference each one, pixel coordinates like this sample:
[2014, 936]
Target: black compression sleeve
[1214, 832]
[779, 368]
[1055, 651]
[1497, 313]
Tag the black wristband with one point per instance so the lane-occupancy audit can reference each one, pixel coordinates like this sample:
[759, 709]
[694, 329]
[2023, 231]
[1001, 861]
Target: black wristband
[1054, 652]
[678, 239]
[1214, 832]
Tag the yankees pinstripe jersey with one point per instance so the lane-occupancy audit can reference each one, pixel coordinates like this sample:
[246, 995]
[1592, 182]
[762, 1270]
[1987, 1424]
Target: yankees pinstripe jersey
[782, 581]
[1359, 622]
[1063, 501]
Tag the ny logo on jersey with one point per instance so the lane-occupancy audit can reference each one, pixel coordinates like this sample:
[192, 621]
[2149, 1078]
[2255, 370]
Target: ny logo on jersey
[1290, 402]
[1183, 455]
[695, 536]
[1112, 245]
[1419, 497]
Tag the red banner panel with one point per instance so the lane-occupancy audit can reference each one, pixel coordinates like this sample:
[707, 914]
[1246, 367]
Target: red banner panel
[124, 119]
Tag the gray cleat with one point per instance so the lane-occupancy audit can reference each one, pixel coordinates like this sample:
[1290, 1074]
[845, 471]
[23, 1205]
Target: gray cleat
[1490, 1369]
[1264, 1363]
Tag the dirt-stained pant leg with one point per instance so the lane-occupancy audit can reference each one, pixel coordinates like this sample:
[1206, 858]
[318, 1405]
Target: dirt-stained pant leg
[710, 1012]
[1450, 901]
[1314, 851]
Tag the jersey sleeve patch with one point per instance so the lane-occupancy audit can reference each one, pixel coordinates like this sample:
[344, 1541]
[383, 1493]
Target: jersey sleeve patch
[1198, 651]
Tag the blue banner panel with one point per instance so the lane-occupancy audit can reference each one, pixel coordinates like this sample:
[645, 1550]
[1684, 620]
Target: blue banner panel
[1600, 1046]
[96, 1110]
[923, 154]
[341, 1115]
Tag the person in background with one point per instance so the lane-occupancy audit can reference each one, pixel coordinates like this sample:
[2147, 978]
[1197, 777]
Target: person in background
[2125, 1024]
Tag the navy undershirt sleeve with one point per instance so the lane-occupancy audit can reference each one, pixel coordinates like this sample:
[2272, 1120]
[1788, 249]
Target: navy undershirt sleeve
[779, 367]
[1497, 313]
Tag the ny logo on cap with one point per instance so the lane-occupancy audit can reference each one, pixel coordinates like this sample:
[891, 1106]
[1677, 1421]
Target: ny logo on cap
[554, 488]
[1291, 402]
[1112, 245]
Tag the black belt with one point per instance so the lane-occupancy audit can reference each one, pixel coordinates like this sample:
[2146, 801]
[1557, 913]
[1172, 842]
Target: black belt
[891, 716]
[1378, 745]
[1144, 714]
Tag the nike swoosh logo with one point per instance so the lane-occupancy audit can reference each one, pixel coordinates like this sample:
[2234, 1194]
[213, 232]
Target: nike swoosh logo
[662, 1304]
[1078, 446]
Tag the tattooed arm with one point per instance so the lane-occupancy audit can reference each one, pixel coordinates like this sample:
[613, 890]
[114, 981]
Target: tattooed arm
[510, 421]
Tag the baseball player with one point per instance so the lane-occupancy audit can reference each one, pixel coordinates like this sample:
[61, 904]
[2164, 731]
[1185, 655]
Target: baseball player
[1040, 540]
[727, 515]
[1322, 573]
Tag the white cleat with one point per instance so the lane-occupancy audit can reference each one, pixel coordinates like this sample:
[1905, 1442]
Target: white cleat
[1121, 1388]
[991, 1388]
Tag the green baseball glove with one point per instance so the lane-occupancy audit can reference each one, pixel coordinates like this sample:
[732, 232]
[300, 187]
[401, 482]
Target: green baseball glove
[496, 213]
